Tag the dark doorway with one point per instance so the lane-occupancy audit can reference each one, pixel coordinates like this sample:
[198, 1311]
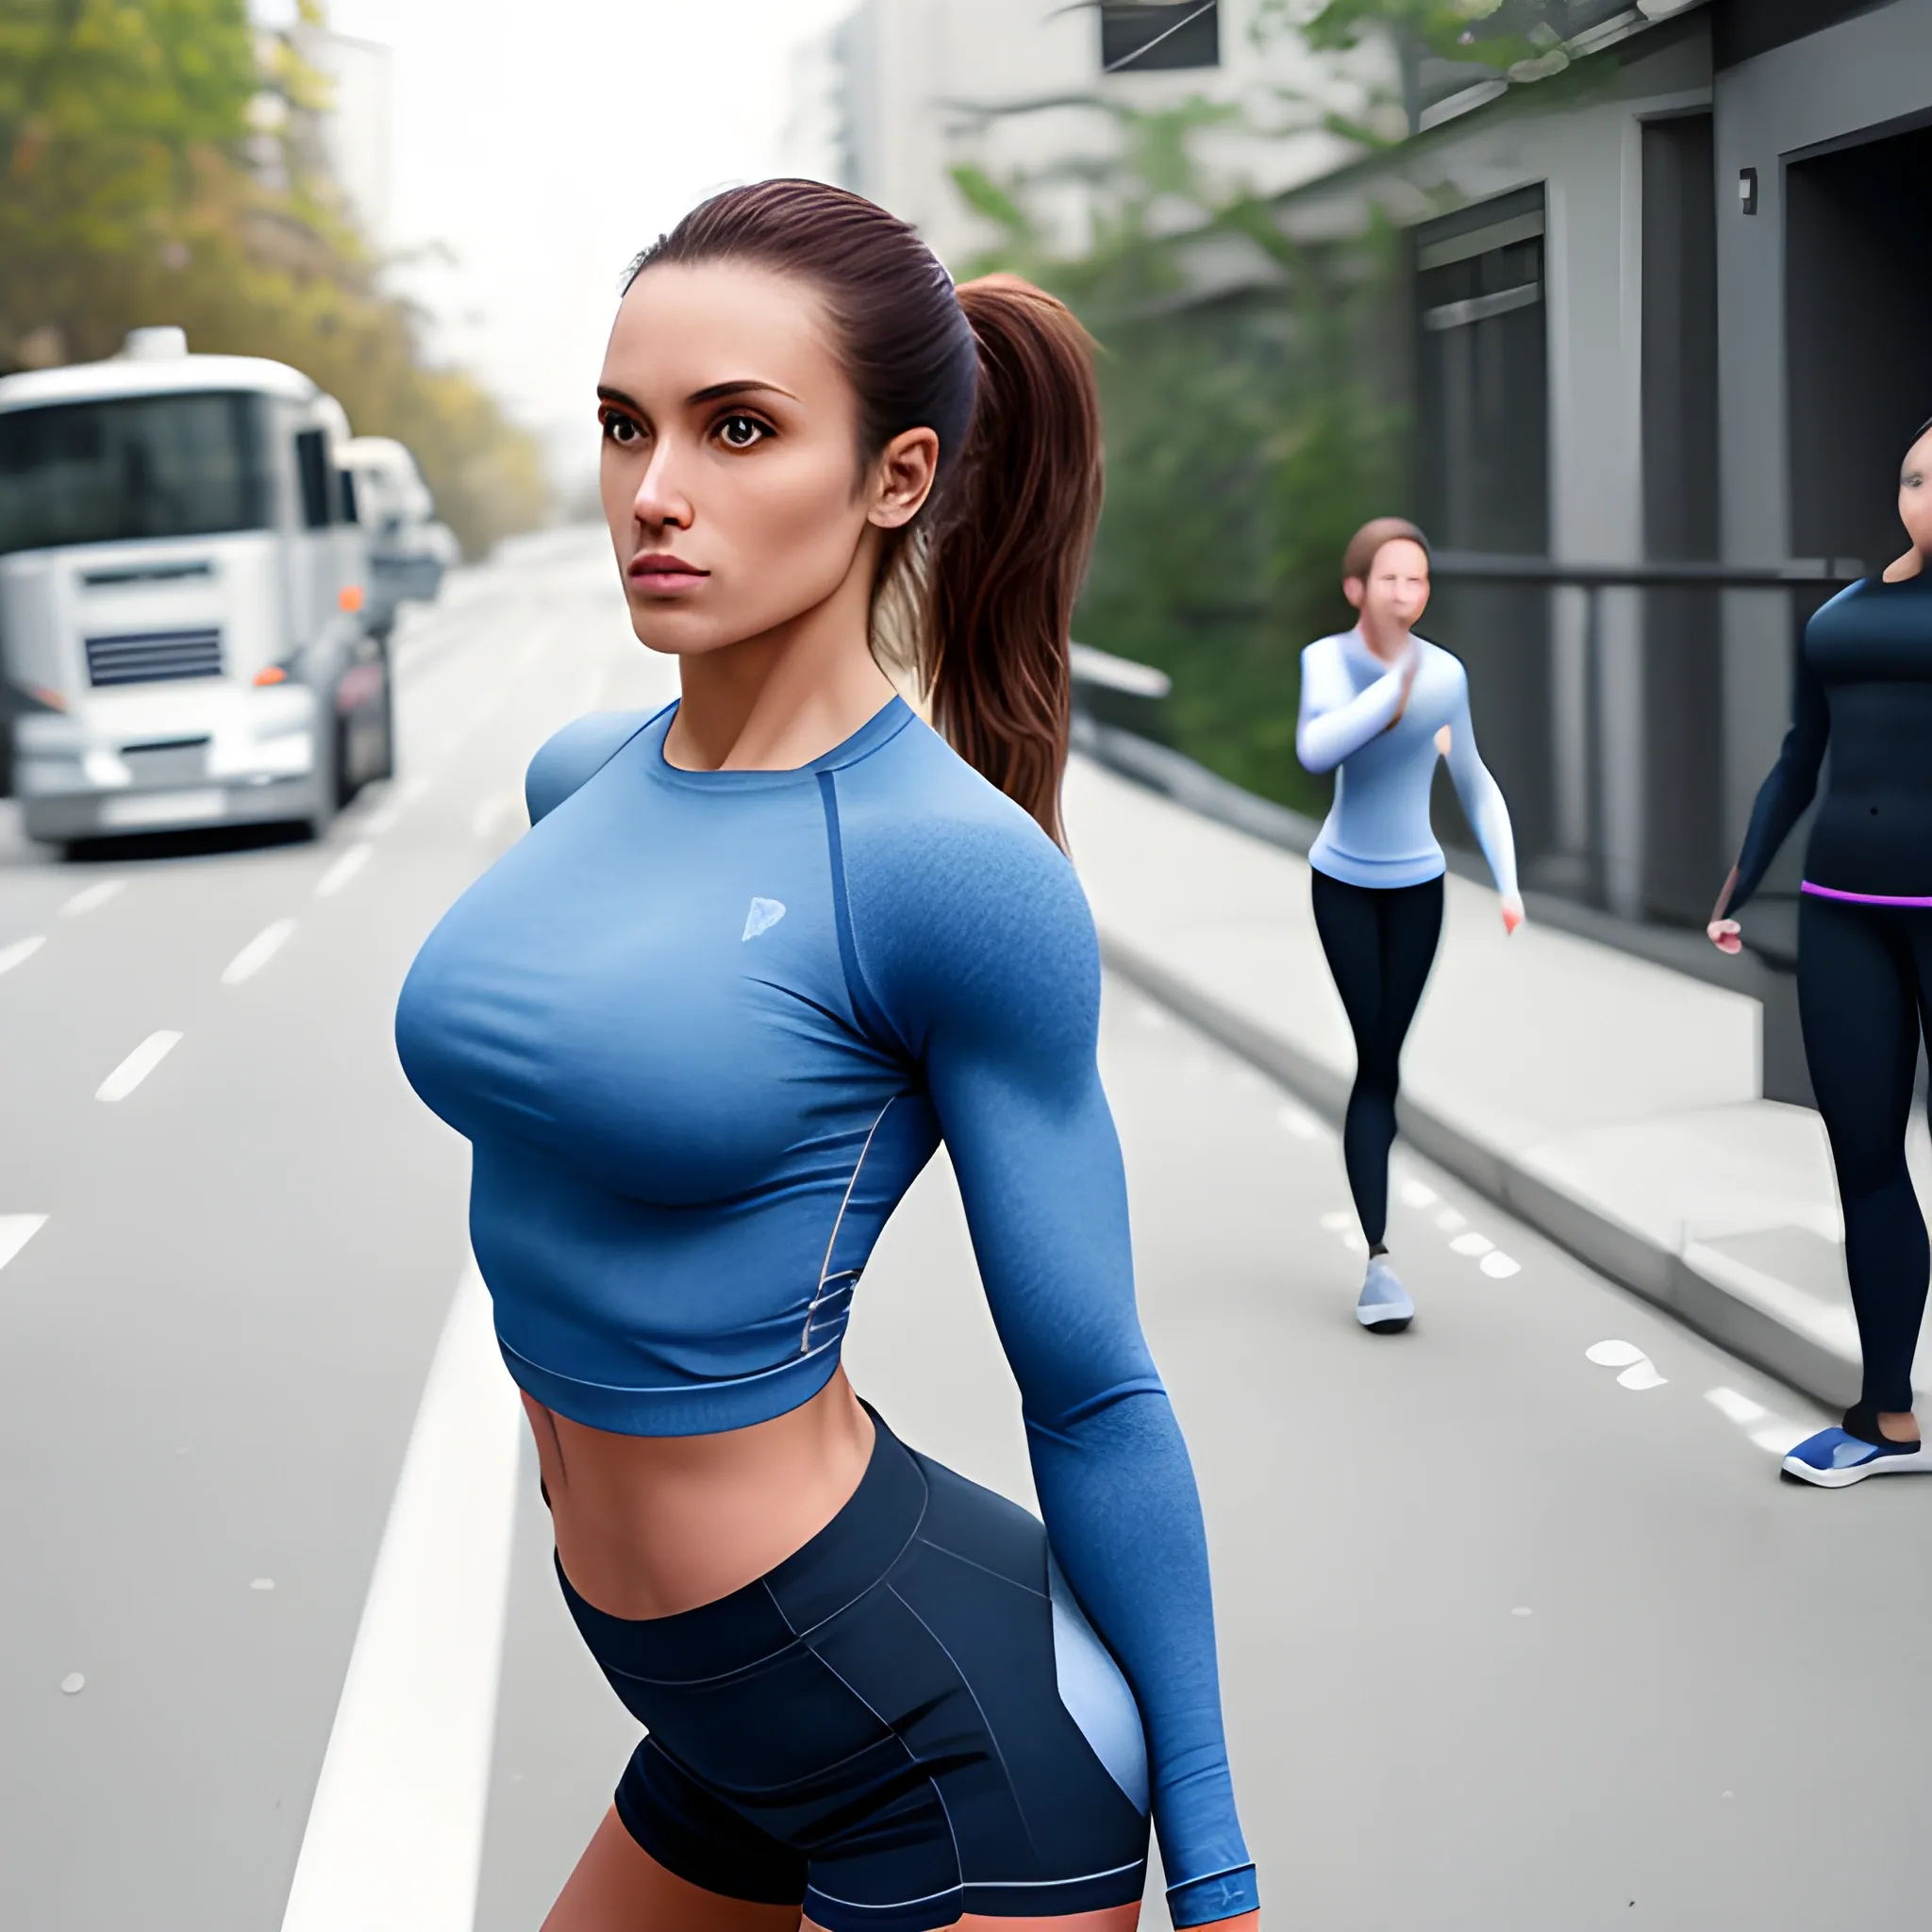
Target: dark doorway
[1482, 477]
[1859, 339]
[1683, 691]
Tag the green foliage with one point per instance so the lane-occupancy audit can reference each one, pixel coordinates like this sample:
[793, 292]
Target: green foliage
[1248, 435]
[133, 191]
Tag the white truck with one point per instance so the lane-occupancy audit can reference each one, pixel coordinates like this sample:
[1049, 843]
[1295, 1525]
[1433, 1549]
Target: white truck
[182, 588]
[409, 550]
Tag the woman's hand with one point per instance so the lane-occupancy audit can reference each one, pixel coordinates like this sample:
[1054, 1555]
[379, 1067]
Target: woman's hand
[1512, 913]
[1723, 934]
[1409, 671]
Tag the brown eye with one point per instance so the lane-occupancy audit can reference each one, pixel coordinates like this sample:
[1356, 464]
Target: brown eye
[620, 431]
[742, 432]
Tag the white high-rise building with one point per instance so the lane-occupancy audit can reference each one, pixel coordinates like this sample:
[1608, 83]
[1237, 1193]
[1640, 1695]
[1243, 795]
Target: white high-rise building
[1024, 87]
[354, 128]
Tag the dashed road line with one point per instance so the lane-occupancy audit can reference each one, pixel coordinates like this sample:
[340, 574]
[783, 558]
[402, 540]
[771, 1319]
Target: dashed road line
[21, 951]
[258, 952]
[88, 897]
[1299, 1121]
[138, 1066]
[343, 870]
[16, 1230]
[1775, 1432]
[1639, 1371]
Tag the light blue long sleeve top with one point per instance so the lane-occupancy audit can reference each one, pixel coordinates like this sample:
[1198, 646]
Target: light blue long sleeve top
[1377, 831]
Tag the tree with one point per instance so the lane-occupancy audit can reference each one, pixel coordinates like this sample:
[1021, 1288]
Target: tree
[158, 168]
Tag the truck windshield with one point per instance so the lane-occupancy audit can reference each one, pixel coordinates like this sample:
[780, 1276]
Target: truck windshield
[132, 467]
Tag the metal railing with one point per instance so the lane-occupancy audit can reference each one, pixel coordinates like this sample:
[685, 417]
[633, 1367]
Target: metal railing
[1621, 887]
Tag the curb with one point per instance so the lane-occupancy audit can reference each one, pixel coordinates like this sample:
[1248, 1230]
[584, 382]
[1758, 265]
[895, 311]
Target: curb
[1724, 1313]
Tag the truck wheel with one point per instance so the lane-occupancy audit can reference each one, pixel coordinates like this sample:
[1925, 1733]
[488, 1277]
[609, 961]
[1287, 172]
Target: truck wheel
[385, 765]
[330, 757]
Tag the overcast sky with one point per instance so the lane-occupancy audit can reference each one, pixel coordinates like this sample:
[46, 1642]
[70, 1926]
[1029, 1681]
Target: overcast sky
[545, 141]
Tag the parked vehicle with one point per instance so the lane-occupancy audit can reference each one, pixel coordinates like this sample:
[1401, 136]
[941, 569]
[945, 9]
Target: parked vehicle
[183, 581]
[409, 550]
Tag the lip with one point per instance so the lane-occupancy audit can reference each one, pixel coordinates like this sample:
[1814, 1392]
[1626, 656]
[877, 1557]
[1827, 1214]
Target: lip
[658, 569]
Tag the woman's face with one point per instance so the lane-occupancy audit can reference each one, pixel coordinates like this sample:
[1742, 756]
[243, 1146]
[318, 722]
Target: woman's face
[731, 479]
[1915, 494]
[1396, 590]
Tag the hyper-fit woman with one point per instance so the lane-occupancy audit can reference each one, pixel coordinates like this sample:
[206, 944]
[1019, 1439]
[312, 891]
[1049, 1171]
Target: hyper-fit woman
[1864, 691]
[1379, 705]
[756, 957]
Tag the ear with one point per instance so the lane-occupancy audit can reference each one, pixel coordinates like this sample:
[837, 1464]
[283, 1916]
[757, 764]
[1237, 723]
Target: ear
[1355, 589]
[902, 478]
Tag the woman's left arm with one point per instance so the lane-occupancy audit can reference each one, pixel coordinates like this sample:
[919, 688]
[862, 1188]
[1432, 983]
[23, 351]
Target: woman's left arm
[1007, 1029]
[1482, 800]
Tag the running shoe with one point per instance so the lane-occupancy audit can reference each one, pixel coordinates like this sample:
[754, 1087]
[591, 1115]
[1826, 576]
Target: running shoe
[1384, 1307]
[1835, 1456]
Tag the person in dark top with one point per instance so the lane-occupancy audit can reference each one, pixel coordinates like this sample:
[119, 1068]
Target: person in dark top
[1864, 693]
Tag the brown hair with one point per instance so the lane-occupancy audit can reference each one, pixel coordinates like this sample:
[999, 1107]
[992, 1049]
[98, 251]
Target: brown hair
[1359, 559]
[976, 597]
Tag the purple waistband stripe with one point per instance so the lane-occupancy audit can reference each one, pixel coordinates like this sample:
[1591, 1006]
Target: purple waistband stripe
[1866, 898]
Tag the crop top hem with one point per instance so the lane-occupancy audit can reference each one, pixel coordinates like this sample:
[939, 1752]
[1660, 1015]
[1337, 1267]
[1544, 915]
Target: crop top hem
[705, 1408]
[1384, 874]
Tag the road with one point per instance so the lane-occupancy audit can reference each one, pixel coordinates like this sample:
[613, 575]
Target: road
[1520, 1629]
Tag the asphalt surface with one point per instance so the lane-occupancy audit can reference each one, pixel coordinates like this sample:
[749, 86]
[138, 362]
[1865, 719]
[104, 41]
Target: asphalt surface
[1511, 1636]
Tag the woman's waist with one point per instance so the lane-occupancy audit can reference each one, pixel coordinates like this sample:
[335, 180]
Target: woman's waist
[706, 1550]
[1871, 842]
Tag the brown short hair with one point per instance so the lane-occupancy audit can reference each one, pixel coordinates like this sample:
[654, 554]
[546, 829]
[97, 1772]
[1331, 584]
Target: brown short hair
[1366, 544]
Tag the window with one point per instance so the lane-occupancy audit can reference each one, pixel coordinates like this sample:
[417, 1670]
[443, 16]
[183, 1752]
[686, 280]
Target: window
[135, 467]
[312, 466]
[1137, 36]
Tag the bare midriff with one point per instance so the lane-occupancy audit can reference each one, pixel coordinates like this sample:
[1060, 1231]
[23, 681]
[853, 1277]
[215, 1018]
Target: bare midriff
[650, 1525]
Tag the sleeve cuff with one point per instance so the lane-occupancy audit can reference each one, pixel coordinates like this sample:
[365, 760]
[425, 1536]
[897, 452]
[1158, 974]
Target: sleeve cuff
[1220, 1895]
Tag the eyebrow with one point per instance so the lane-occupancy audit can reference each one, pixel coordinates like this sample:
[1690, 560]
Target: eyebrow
[739, 386]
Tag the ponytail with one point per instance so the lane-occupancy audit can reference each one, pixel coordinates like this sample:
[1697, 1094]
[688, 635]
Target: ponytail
[1009, 547]
[976, 600]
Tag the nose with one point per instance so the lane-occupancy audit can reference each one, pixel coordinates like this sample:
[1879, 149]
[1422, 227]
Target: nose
[661, 501]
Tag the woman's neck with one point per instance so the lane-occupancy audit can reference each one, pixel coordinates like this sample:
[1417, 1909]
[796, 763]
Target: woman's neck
[777, 700]
[1388, 641]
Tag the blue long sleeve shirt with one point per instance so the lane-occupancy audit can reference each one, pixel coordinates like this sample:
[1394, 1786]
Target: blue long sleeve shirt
[1377, 831]
[704, 1028]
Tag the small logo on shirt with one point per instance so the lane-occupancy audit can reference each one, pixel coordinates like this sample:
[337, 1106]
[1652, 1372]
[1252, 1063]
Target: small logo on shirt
[763, 916]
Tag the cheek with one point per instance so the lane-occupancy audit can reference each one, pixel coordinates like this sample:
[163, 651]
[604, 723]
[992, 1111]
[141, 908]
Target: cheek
[786, 531]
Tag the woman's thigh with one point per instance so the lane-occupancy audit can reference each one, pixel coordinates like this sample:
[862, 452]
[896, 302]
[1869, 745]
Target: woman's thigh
[618, 1887]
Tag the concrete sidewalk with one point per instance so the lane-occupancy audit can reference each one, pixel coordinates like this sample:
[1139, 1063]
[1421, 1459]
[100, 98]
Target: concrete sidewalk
[1613, 1104]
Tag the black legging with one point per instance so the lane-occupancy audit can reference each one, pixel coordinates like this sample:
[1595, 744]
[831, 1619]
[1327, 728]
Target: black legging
[1380, 942]
[1864, 996]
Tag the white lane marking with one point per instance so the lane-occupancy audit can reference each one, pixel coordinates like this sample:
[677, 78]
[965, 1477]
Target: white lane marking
[1775, 1432]
[73, 1684]
[343, 870]
[21, 951]
[1613, 1354]
[1521, 1610]
[91, 896]
[1643, 1375]
[1417, 1194]
[1299, 1122]
[1338, 1219]
[394, 1840]
[493, 812]
[394, 807]
[138, 1066]
[262, 1583]
[1734, 1407]
[1499, 1266]
[1471, 1244]
[16, 1230]
[258, 952]
[1450, 1220]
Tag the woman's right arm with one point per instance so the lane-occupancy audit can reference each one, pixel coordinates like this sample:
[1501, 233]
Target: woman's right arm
[1336, 720]
[1790, 787]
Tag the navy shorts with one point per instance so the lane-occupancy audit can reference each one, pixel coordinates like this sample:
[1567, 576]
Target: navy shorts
[906, 1720]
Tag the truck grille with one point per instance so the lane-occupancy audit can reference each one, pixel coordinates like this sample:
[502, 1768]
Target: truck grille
[154, 657]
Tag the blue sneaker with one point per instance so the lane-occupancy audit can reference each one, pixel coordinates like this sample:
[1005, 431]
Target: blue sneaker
[1834, 1458]
[1384, 1307]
